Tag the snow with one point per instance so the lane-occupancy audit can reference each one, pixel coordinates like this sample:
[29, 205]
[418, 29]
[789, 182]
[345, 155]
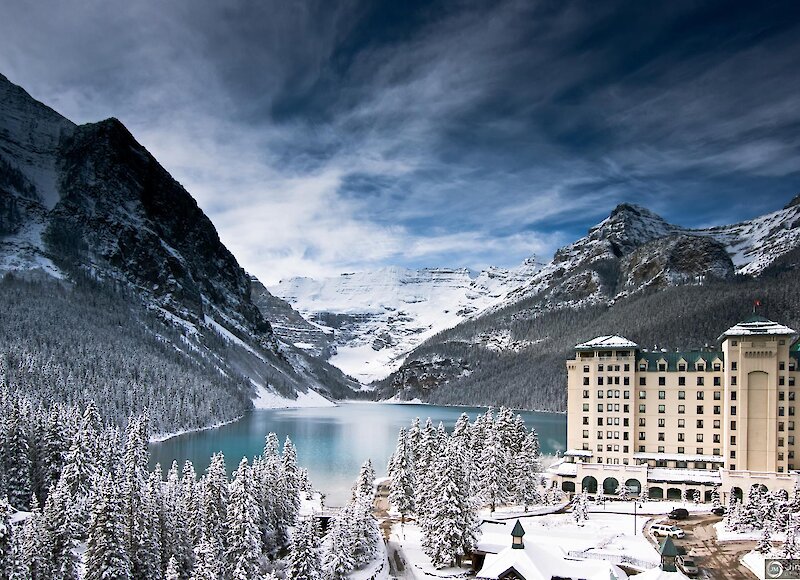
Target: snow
[724, 535]
[385, 313]
[267, 399]
[758, 327]
[158, 437]
[665, 474]
[377, 569]
[607, 342]
[680, 457]
[754, 561]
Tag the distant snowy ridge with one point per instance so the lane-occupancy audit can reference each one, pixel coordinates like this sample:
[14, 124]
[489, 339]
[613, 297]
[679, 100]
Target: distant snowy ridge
[376, 317]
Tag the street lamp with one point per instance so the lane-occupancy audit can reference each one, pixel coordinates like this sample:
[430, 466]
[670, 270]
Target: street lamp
[635, 506]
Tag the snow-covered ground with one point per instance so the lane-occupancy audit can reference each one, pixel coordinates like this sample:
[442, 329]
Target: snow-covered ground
[158, 437]
[266, 399]
[724, 535]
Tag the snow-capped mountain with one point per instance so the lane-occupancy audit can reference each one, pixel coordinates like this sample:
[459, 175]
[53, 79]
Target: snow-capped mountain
[376, 317]
[90, 201]
[633, 273]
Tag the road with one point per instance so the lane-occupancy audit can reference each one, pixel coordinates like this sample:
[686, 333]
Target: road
[716, 560]
[397, 564]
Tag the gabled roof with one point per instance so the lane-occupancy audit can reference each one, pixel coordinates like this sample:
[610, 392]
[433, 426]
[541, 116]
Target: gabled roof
[756, 326]
[668, 547]
[518, 531]
[606, 342]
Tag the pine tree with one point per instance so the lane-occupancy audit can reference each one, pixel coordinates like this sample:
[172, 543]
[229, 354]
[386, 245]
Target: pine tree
[61, 531]
[244, 547]
[623, 492]
[6, 540]
[304, 563]
[791, 549]
[696, 496]
[105, 553]
[365, 486]
[16, 460]
[215, 500]
[339, 559]
[715, 499]
[493, 475]
[401, 475]
[290, 477]
[207, 565]
[173, 570]
[764, 545]
[644, 493]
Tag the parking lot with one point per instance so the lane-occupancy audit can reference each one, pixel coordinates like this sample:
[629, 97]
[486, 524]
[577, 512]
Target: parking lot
[716, 560]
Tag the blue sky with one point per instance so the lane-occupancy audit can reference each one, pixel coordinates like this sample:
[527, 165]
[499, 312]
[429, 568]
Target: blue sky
[324, 137]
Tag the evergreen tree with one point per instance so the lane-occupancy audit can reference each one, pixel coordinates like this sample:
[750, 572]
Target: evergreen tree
[6, 540]
[401, 475]
[15, 460]
[290, 478]
[764, 545]
[105, 552]
[623, 492]
[791, 549]
[493, 475]
[61, 531]
[644, 493]
[304, 562]
[715, 499]
[207, 565]
[339, 559]
[244, 547]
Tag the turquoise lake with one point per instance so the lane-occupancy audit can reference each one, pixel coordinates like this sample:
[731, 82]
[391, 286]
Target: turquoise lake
[332, 442]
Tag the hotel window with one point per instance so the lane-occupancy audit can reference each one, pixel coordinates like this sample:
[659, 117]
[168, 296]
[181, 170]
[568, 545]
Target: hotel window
[733, 467]
[791, 439]
[733, 364]
[733, 456]
[662, 395]
[585, 394]
[717, 409]
[585, 380]
[599, 446]
[599, 380]
[699, 423]
[586, 420]
[733, 425]
[586, 407]
[641, 422]
[791, 411]
[733, 381]
[781, 380]
[599, 393]
[716, 438]
[699, 437]
[716, 424]
[600, 367]
[662, 422]
[616, 394]
[627, 367]
[780, 441]
[699, 409]
[681, 395]
[662, 381]
[699, 450]
[682, 367]
[718, 452]
[681, 381]
[609, 421]
[616, 447]
[781, 426]
[701, 367]
[781, 396]
[780, 411]
[641, 448]
[609, 407]
[599, 421]
[599, 407]
[626, 395]
[699, 381]
[661, 436]
[791, 394]
[791, 384]
[717, 395]
[609, 392]
[586, 447]
[641, 436]
[681, 423]
[626, 422]
[680, 436]
[733, 395]
[700, 395]
[681, 409]
[733, 439]
[791, 425]
[585, 434]
[641, 408]
[642, 394]
[626, 381]
[642, 381]
[680, 449]
[616, 407]
[642, 366]
[661, 449]
[662, 367]
[626, 408]
[586, 368]
[781, 366]
[716, 366]
[733, 409]
[599, 434]
[717, 381]
[662, 409]
[699, 465]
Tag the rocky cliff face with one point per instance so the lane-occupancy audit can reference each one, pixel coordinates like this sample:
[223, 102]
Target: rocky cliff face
[91, 201]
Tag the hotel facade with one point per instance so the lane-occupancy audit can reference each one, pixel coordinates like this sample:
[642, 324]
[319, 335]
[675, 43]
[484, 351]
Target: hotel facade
[684, 421]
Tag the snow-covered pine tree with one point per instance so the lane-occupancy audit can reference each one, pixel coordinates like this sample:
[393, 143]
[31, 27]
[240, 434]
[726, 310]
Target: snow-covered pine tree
[6, 540]
[207, 565]
[15, 459]
[623, 492]
[684, 495]
[214, 501]
[696, 496]
[790, 548]
[61, 533]
[304, 562]
[401, 475]
[365, 485]
[764, 545]
[244, 546]
[339, 560]
[494, 472]
[290, 477]
[173, 570]
[716, 502]
[644, 493]
[105, 552]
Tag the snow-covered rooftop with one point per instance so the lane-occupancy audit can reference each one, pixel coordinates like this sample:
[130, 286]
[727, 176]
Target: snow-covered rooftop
[680, 457]
[676, 475]
[536, 562]
[577, 453]
[757, 325]
[614, 341]
[566, 469]
[659, 574]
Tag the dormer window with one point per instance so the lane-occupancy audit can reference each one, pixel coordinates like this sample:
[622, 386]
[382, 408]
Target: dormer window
[700, 366]
[662, 366]
[681, 367]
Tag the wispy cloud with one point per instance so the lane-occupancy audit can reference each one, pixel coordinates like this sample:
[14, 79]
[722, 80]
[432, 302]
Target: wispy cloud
[323, 137]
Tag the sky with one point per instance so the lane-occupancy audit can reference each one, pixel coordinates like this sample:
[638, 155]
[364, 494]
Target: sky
[324, 136]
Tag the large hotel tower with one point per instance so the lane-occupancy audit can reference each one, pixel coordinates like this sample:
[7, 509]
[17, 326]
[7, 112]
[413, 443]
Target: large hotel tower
[680, 421]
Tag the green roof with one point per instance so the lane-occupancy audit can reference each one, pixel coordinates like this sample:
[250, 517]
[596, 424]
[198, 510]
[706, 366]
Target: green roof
[518, 532]
[672, 358]
[668, 547]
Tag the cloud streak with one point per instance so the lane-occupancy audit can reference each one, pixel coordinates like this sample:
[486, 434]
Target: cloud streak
[322, 137]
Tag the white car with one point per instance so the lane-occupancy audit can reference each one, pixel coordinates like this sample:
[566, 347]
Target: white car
[667, 530]
[687, 565]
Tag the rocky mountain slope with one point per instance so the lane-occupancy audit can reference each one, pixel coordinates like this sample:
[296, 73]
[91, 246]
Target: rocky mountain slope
[630, 274]
[90, 201]
[375, 318]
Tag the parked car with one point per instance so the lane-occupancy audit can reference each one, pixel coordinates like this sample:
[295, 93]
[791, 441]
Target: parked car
[679, 514]
[718, 511]
[667, 530]
[687, 565]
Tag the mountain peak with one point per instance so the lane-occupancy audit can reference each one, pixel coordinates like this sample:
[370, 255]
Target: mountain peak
[794, 202]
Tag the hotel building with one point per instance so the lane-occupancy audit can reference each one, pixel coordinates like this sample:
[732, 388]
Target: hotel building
[684, 420]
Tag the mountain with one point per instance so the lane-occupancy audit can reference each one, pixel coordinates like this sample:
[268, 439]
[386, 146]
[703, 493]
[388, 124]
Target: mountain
[89, 206]
[632, 274]
[372, 319]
